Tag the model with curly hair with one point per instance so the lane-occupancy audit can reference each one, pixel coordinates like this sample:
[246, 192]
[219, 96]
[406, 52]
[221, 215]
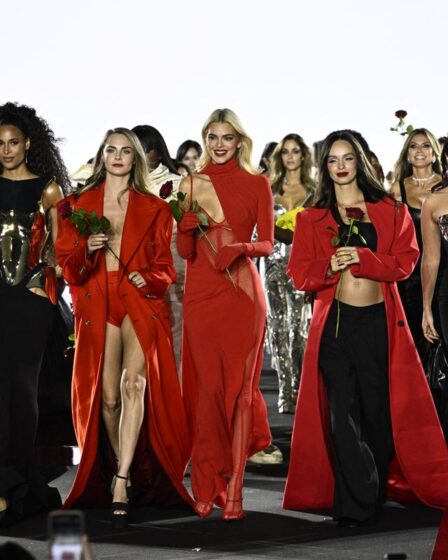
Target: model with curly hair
[32, 180]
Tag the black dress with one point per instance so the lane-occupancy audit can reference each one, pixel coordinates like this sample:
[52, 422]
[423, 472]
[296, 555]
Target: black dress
[411, 290]
[25, 321]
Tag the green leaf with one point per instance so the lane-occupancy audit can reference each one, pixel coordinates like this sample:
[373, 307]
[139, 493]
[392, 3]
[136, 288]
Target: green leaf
[335, 241]
[104, 225]
[181, 196]
[203, 218]
[195, 206]
[71, 337]
[355, 230]
[177, 212]
[409, 128]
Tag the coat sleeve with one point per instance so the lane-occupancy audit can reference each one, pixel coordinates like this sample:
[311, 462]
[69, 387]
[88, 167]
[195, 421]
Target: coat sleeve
[71, 252]
[307, 268]
[159, 273]
[400, 261]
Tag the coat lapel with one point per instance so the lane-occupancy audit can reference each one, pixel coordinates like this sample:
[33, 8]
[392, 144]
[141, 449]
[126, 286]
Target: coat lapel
[139, 217]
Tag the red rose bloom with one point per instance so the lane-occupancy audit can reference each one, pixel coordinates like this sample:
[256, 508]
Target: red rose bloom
[400, 114]
[166, 189]
[354, 213]
[64, 209]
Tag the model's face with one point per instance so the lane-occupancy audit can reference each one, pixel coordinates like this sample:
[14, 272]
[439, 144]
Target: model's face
[420, 152]
[222, 142]
[152, 159]
[191, 159]
[118, 155]
[291, 155]
[341, 163]
[13, 147]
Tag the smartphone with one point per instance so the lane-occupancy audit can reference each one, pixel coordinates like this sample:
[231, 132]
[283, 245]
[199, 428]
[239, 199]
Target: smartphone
[66, 530]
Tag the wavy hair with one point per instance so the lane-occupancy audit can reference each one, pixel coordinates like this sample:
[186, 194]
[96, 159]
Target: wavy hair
[43, 156]
[139, 179]
[372, 189]
[278, 170]
[244, 153]
[403, 168]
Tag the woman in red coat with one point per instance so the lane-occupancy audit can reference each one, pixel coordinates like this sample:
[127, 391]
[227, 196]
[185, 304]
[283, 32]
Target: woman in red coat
[224, 314]
[363, 397]
[127, 408]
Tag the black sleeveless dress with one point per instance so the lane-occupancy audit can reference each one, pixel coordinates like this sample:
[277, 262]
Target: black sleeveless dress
[411, 289]
[25, 321]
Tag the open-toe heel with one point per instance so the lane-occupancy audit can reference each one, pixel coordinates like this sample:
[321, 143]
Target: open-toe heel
[236, 514]
[120, 519]
[203, 509]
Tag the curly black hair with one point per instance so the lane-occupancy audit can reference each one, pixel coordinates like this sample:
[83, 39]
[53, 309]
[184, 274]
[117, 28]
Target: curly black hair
[43, 157]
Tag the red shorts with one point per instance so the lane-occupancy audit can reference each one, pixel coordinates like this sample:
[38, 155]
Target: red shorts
[116, 311]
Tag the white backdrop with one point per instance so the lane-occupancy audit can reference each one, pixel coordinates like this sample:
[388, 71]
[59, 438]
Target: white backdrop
[309, 66]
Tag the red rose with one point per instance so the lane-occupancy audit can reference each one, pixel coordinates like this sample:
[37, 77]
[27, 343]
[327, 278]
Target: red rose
[64, 209]
[354, 213]
[400, 114]
[166, 189]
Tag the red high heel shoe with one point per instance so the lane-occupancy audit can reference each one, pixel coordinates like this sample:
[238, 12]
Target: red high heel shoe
[236, 514]
[203, 509]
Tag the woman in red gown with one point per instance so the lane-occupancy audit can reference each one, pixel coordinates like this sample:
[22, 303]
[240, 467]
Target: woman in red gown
[127, 409]
[224, 314]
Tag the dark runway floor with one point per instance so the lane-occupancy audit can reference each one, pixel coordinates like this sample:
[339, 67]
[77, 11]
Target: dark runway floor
[267, 532]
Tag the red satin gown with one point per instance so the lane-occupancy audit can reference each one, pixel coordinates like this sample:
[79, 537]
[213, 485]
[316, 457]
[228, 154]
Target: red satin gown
[224, 325]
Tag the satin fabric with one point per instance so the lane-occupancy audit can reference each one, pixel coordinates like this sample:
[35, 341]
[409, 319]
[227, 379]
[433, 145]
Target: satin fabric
[164, 447]
[420, 469]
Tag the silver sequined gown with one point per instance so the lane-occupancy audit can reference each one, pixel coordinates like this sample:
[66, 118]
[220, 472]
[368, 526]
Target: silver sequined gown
[288, 319]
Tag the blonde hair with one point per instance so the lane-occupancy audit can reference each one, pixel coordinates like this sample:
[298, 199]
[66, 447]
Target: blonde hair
[243, 153]
[278, 170]
[139, 179]
[403, 168]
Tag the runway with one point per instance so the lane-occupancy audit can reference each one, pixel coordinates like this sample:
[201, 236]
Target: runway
[267, 532]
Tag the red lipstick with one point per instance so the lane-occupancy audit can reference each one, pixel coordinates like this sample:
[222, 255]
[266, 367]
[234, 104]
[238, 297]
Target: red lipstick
[342, 174]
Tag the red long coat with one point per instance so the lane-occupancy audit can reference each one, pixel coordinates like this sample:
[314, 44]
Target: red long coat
[421, 452]
[163, 448]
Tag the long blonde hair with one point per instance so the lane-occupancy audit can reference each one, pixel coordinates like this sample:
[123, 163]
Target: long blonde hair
[243, 153]
[139, 179]
[278, 171]
[403, 168]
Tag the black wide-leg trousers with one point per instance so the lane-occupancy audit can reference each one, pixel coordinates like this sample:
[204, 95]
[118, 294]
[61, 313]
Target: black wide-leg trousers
[25, 321]
[354, 366]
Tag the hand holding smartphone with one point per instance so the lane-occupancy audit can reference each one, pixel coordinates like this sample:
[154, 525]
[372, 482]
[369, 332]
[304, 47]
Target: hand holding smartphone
[66, 530]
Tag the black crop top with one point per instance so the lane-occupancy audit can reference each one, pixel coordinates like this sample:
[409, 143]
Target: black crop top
[366, 229]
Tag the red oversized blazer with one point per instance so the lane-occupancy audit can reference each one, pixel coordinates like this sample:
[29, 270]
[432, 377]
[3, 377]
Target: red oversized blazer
[421, 465]
[164, 443]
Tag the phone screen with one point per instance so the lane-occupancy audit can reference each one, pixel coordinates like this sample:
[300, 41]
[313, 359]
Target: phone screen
[66, 529]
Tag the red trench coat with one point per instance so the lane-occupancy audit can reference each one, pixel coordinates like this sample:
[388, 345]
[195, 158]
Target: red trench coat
[421, 465]
[164, 443]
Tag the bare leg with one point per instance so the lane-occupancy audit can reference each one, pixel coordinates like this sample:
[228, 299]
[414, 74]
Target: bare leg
[133, 384]
[111, 403]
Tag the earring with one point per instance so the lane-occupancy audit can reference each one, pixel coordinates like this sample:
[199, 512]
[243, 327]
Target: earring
[26, 157]
[433, 159]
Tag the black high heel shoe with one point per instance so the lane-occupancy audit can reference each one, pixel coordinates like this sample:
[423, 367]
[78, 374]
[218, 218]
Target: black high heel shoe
[129, 489]
[120, 520]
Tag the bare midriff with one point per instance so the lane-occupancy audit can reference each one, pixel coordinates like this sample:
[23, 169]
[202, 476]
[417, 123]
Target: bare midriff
[358, 292]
